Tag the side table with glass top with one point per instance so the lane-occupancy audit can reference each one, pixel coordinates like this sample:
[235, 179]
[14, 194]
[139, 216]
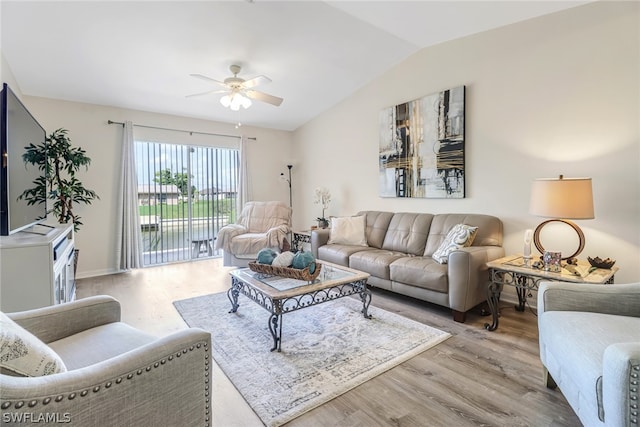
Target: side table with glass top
[516, 271]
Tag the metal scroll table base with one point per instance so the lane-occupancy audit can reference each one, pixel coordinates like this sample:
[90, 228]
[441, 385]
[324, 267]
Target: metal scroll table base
[524, 284]
[278, 306]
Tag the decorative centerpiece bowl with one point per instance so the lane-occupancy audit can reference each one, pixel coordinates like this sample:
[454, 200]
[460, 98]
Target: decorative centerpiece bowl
[601, 263]
[289, 272]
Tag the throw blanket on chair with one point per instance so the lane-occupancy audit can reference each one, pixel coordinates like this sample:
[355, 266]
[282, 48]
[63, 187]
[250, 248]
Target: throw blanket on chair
[260, 225]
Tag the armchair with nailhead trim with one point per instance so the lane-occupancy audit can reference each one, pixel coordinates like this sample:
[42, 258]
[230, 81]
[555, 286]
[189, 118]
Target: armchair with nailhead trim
[590, 348]
[115, 375]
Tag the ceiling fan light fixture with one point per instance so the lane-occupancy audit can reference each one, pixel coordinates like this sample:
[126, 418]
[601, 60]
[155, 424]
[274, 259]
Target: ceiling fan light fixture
[238, 91]
[246, 102]
[226, 101]
[235, 101]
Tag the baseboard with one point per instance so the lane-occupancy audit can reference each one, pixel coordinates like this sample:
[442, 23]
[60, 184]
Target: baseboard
[510, 296]
[96, 273]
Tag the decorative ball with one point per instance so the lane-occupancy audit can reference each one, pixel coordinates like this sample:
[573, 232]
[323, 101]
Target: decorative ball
[302, 260]
[266, 256]
[283, 260]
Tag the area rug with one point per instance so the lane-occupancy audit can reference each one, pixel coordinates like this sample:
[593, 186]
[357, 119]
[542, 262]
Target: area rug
[327, 350]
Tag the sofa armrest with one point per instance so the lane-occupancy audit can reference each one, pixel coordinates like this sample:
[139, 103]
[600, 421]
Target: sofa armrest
[319, 237]
[165, 382]
[59, 321]
[468, 275]
[620, 378]
[623, 299]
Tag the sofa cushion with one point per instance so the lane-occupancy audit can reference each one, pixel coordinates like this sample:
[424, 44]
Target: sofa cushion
[98, 344]
[407, 233]
[377, 223]
[23, 354]
[574, 344]
[375, 261]
[422, 272]
[460, 236]
[339, 254]
[348, 231]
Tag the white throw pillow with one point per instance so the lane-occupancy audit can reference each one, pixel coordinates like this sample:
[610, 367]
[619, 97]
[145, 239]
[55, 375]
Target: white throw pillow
[22, 353]
[348, 230]
[460, 236]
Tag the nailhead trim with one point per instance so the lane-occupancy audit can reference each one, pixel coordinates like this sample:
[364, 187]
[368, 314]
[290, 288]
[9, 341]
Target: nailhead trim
[207, 410]
[633, 394]
[45, 401]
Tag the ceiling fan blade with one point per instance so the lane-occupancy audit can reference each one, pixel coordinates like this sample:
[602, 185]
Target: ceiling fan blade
[264, 97]
[206, 93]
[208, 79]
[259, 80]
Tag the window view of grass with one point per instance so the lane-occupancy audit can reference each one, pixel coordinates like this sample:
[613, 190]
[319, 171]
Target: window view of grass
[200, 209]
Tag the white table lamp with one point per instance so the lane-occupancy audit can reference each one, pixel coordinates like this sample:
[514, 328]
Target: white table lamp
[562, 199]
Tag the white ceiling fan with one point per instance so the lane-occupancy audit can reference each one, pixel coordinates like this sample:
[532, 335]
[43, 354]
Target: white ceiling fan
[239, 92]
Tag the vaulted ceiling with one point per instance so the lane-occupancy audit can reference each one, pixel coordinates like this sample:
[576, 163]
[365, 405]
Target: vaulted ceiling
[139, 55]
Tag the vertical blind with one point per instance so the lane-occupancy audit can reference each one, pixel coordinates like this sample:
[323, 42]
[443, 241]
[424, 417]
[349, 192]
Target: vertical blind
[186, 194]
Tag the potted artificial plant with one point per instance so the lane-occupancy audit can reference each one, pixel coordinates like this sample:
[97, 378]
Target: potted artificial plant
[59, 161]
[323, 197]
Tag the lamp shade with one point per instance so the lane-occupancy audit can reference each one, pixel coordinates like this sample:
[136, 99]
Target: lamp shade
[569, 198]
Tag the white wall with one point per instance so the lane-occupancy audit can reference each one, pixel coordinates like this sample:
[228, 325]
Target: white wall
[557, 94]
[553, 95]
[88, 128]
[6, 76]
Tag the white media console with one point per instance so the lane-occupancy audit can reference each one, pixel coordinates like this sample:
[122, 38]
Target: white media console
[37, 270]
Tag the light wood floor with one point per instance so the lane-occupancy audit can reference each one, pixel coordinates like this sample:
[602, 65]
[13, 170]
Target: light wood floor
[475, 378]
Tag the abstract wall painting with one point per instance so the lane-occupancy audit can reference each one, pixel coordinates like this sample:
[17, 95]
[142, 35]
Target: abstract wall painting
[421, 152]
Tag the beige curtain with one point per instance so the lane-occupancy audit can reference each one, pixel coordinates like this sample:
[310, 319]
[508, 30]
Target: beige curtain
[244, 189]
[130, 248]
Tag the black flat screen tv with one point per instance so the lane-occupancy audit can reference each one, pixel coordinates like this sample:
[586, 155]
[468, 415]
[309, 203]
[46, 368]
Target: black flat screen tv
[19, 129]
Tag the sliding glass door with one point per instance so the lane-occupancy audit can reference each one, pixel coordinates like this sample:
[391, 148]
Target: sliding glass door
[185, 195]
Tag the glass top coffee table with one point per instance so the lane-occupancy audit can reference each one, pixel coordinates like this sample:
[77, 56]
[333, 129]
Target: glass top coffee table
[279, 295]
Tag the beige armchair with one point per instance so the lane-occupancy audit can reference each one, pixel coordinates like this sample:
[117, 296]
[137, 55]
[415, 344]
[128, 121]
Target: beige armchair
[260, 225]
[590, 348]
[115, 375]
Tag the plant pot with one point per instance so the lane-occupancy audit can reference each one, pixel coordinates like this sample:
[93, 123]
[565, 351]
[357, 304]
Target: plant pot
[323, 223]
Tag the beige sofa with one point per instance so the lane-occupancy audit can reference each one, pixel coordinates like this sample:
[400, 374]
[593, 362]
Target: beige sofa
[399, 250]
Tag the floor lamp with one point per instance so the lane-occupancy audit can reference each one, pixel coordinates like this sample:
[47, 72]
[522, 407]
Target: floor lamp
[289, 182]
[561, 199]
